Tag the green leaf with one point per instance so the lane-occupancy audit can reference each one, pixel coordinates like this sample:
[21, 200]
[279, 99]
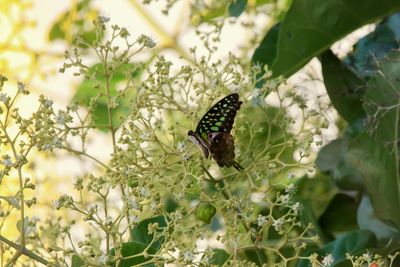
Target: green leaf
[76, 261]
[340, 215]
[253, 254]
[344, 87]
[328, 156]
[130, 249]
[219, 257]
[354, 243]
[140, 233]
[375, 46]
[170, 204]
[237, 7]
[376, 156]
[89, 89]
[82, 24]
[319, 191]
[314, 195]
[312, 26]
[332, 158]
[220, 10]
[388, 236]
[308, 216]
[266, 51]
[205, 212]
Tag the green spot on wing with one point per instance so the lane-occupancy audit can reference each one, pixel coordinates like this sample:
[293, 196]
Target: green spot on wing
[222, 119]
[218, 123]
[214, 128]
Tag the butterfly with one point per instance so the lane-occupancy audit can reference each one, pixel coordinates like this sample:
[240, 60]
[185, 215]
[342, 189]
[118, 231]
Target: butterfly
[212, 134]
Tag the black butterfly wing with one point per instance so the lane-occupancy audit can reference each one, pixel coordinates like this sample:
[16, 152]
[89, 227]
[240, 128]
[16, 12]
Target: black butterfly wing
[220, 117]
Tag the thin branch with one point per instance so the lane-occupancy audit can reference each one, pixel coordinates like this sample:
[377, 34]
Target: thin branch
[24, 250]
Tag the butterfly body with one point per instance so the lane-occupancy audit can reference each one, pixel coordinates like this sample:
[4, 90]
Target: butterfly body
[212, 134]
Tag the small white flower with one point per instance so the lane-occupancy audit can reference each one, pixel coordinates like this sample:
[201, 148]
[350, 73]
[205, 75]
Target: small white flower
[57, 142]
[178, 215]
[35, 219]
[277, 224]
[133, 203]
[235, 89]
[188, 256]
[14, 202]
[56, 204]
[134, 218]
[109, 220]
[145, 135]
[146, 41]
[178, 195]
[290, 189]
[48, 103]
[165, 86]
[21, 87]
[47, 147]
[186, 156]
[93, 208]
[296, 207]
[285, 198]
[153, 205]
[367, 256]
[261, 220]
[7, 162]
[256, 67]
[290, 175]
[60, 118]
[30, 230]
[144, 192]
[328, 260]
[181, 146]
[3, 97]
[213, 83]
[104, 19]
[103, 259]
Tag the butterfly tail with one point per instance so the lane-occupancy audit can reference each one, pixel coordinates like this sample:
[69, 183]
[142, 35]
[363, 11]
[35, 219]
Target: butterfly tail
[237, 166]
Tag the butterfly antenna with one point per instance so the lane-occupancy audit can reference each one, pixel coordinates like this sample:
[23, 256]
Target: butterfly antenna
[237, 166]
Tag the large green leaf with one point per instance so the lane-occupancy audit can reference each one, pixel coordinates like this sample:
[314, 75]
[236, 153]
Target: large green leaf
[329, 155]
[266, 52]
[388, 237]
[91, 88]
[332, 158]
[233, 9]
[131, 251]
[314, 196]
[82, 16]
[375, 153]
[237, 7]
[253, 254]
[140, 233]
[355, 243]
[318, 190]
[76, 261]
[312, 26]
[375, 46]
[308, 216]
[344, 87]
[340, 215]
[219, 257]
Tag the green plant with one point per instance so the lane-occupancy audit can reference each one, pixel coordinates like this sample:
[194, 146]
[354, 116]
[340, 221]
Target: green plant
[156, 198]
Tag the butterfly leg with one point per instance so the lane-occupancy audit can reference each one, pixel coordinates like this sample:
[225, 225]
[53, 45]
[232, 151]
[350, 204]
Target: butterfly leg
[237, 166]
